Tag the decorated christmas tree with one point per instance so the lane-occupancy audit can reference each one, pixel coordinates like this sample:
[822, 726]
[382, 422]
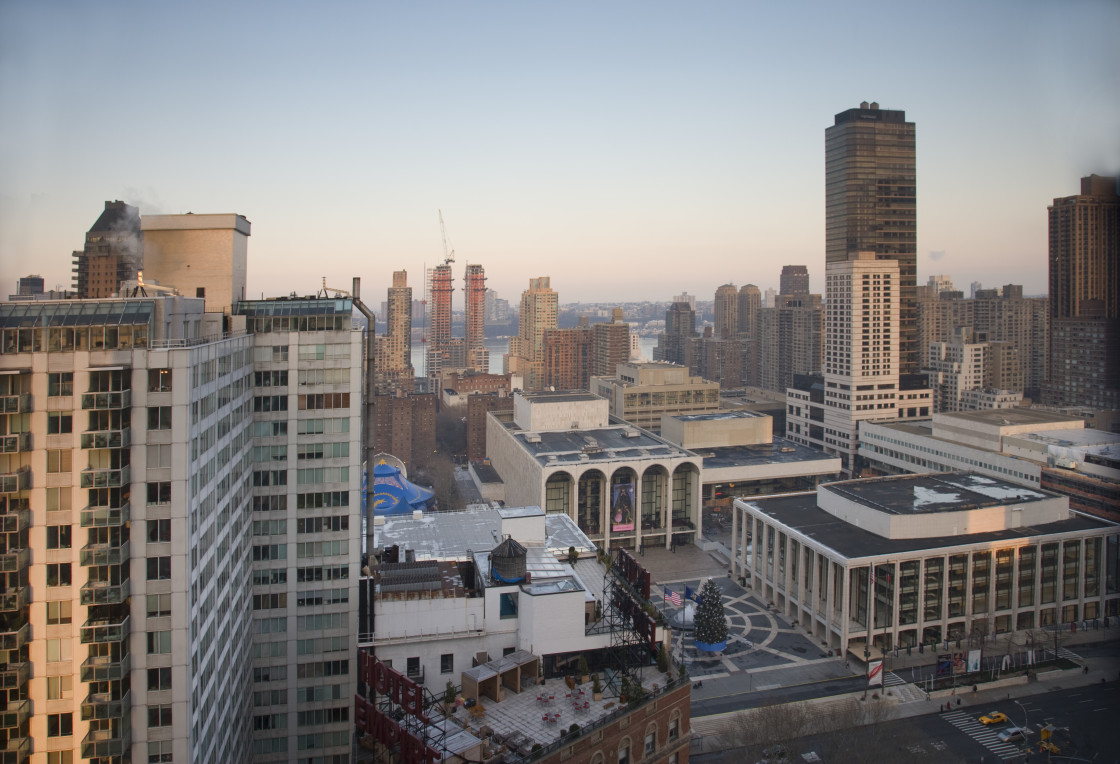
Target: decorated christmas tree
[710, 623]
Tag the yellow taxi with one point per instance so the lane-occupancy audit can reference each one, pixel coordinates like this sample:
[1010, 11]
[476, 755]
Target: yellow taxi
[995, 717]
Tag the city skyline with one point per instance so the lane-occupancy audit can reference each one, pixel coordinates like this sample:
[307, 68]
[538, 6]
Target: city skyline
[562, 141]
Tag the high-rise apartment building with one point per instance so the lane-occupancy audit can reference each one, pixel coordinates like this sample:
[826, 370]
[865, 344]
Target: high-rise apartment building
[610, 344]
[440, 292]
[306, 486]
[861, 378]
[405, 426]
[200, 255]
[750, 303]
[112, 253]
[969, 373]
[539, 312]
[125, 492]
[567, 357]
[790, 340]
[871, 203]
[794, 280]
[674, 346]
[726, 311]
[394, 348]
[1085, 297]
[474, 290]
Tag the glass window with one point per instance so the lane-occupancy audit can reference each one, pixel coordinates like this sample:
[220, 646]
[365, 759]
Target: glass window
[61, 384]
[159, 417]
[159, 380]
[159, 568]
[60, 725]
[59, 612]
[159, 531]
[447, 663]
[159, 679]
[58, 574]
[60, 687]
[58, 536]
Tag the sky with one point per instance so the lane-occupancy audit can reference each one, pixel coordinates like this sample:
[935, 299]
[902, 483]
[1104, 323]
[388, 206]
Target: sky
[628, 150]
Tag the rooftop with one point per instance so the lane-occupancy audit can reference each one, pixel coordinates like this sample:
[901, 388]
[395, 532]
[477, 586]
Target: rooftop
[780, 451]
[716, 416]
[1080, 438]
[486, 472]
[602, 444]
[1014, 417]
[801, 513]
[102, 312]
[451, 535]
[944, 492]
[561, 396]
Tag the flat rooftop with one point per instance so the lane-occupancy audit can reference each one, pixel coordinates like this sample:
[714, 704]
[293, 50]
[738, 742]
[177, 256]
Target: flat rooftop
[1015, 417]
[602, 444]
[779, 451]
[486, 472]
[560, 396]
[454, 535]
[801, 513]
[944, 492]
[1080, 438]
[719, 416]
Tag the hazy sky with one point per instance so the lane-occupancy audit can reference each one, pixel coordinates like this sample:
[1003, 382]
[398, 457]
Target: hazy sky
[629, 150]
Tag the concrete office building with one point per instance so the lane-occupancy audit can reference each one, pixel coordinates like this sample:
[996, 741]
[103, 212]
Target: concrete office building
[898, 562]
[794, 280]
[1030, 447]
[394, 349]
[560, 451]
[641, 393]
[112, 253]
[871, 205]
[125, 493]
[968, 374]
[200, 255]
[306, 523]
[861, 378]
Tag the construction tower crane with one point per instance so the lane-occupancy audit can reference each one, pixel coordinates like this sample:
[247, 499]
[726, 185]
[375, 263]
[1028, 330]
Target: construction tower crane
[448, 256]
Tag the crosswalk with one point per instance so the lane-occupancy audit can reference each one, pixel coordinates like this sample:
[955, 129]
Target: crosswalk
[1069, 655]
[966, 722]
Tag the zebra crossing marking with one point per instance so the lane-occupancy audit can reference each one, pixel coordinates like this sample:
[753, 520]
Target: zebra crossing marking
[985, 736]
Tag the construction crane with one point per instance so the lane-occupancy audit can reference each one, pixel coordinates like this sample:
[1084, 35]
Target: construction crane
[448, 256]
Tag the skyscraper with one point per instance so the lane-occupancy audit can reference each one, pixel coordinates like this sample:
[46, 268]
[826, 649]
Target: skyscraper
[750, 303]
[474, 291]
[794, 280]
[680, 327]
[112, 252]
[1085, 297]
[440, 292]
[871, 203]
[539, 311]
[394, 349]
[610, 345]
[727, 312]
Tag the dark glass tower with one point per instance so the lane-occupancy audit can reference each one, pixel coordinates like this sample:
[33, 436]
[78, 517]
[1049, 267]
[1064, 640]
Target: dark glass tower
[871, 203]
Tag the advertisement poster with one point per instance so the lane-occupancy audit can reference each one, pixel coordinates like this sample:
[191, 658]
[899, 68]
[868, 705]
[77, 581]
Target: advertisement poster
[875, 674]
[973, 661]
[622, 508]
[944, 664]
[958, 663]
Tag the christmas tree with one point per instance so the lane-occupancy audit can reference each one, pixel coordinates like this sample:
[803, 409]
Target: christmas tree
[710, 622]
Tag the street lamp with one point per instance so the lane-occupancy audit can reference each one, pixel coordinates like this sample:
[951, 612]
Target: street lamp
[1026, 721]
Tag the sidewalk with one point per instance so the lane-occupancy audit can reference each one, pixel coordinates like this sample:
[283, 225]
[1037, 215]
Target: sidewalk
[1101, 669]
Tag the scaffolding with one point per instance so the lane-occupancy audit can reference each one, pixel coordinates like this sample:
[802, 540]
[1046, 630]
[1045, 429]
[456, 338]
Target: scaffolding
[626, 616]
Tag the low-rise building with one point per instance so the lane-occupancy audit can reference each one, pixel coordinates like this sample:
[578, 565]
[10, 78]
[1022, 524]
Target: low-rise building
[641, 393]
[908, 561]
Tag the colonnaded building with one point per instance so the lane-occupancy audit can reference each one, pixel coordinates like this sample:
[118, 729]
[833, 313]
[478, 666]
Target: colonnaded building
[947, 556]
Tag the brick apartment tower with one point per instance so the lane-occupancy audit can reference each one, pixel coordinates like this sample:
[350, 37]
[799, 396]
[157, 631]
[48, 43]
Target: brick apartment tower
[440, 292]
[727, 311]
[113, 252]
[1085, 297]
[394, 357]
[478, 357]
[871, 203]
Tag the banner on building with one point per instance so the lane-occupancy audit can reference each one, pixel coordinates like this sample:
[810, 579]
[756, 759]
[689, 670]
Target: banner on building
[944, 664]
[973, 661]
[875, 674]
[622, 508]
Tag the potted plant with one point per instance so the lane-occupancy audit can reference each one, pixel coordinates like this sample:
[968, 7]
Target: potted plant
[583, 669]
[596, 688]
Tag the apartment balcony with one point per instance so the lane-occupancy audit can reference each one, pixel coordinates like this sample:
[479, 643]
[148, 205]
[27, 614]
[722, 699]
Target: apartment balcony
[14, 560]
[106, 630]
[15, 675]
[121, 438]
[104, 593]
[103, 705]
[15, 600]
[14, 482]
[106, 743]
[14, 714]
[104, 668]
[14, 640]
[105, 478]
[20, 443]
[121, 399]
[105, 517]
[16, 404]
[14, 522]
[104, 554]
[17, 751]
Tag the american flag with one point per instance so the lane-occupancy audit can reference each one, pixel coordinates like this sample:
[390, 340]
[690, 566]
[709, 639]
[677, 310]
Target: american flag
[672, 597]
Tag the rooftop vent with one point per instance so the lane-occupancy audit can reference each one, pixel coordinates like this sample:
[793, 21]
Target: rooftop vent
[532, 437]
